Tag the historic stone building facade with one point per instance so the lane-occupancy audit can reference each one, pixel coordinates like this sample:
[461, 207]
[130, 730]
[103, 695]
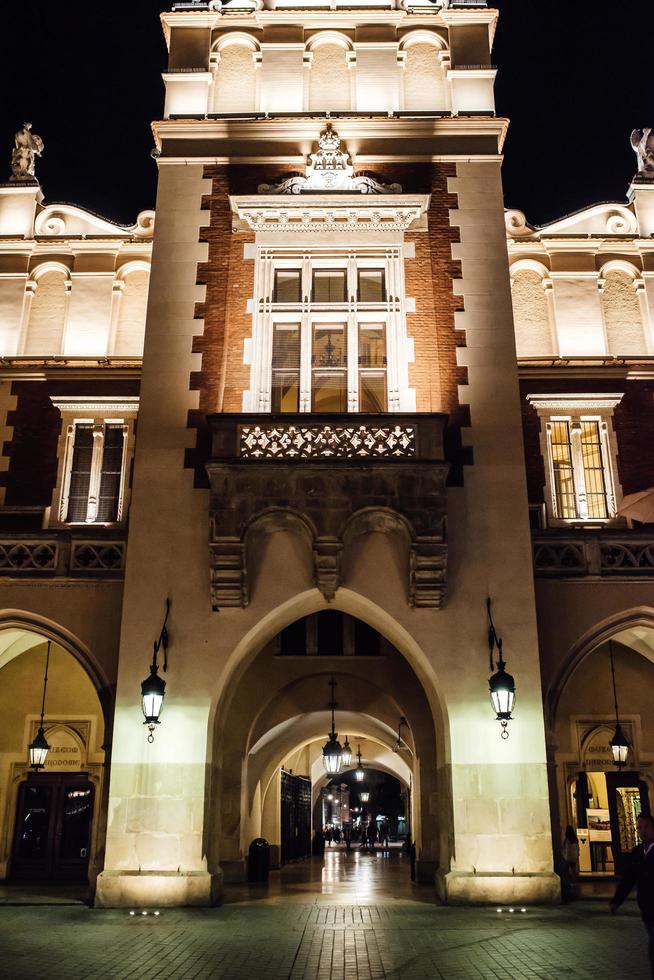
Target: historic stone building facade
[318, 434]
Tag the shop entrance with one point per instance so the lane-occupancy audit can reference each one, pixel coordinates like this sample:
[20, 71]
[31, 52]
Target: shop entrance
[54, 818]
[295, 817]
[607, 806]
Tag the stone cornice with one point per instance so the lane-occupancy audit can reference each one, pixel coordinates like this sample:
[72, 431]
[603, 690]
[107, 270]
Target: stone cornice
[98, 406]
[329, 213]
[584, 401]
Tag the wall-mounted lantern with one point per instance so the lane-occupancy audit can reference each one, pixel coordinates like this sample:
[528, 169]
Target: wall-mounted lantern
[153, 688]
[501, 684]
[39, 748]
[619, 744]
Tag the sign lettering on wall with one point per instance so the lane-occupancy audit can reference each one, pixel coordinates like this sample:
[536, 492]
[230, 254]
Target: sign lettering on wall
[597, 751]
[65, 753]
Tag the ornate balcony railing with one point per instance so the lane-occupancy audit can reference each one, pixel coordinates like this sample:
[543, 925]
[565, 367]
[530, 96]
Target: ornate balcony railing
[329, 478]
[59, 553]
[608, 554]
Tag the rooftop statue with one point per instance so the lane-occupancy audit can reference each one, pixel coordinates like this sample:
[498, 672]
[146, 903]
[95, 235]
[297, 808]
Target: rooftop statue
[642, 141]
[23, 158]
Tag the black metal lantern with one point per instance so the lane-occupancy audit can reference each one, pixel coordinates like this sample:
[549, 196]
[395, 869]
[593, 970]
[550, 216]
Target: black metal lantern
[359, 772]
[153, 688]
[332, 753]
[39, 748]
[364, 796]
[346, 755]
[501, 684]
[619, 744]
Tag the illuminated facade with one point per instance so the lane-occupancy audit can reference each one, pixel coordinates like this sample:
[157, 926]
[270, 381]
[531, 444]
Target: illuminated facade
[329, 475]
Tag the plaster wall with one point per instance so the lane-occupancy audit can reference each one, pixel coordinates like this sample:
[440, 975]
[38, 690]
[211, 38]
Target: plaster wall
[89, 315]
[47, 321]
[579, 321]
[12, 299]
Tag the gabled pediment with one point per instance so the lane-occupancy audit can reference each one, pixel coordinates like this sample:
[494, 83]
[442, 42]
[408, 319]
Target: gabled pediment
[69, 221]
[599, 219]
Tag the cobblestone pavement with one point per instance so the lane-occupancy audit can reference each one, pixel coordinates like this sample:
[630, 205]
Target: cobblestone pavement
[411, 941]
[350, 920]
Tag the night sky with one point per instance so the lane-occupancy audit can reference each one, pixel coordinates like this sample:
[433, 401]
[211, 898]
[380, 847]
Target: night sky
[576, 76]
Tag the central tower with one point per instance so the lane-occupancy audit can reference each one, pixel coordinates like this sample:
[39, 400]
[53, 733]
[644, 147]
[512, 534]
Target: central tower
[329, 374]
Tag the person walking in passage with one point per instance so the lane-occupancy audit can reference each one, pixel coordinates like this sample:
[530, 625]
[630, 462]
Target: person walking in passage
[641, 874]
[570, 853]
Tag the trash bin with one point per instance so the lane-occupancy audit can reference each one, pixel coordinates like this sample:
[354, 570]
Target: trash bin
[259, 860]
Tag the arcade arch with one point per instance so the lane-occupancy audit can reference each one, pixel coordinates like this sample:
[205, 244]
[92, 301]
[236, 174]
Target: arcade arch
[592, 795]
[54, 821]
[276, 717]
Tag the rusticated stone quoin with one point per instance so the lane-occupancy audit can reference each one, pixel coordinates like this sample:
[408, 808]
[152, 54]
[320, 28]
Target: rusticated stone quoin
[368, 474]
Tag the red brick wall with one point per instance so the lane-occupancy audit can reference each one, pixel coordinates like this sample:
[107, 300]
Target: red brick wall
[230, 284]
[32, 452]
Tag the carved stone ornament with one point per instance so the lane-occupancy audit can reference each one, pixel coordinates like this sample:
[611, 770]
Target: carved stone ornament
[642, 140]
[331, 482]
[23, 158]
[329, 169]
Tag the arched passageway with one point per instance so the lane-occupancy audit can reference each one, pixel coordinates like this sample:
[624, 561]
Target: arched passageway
[600, 800]
[269, 773]
[54, 819]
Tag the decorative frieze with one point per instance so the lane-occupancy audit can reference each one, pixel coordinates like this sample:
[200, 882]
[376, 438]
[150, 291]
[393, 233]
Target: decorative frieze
[28, 556]
[600, 553]
[340, 212]
[326, 441]
[61, 555]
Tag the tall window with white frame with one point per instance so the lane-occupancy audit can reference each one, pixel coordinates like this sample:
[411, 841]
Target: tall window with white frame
[324, 323]
[95, 476]
[580, 469]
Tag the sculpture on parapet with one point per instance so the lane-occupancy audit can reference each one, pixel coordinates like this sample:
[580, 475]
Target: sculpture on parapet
[642, 141]
[27, 148]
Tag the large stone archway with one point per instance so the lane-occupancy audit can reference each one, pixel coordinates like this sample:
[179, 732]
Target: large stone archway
[277, 709]
[77, 705]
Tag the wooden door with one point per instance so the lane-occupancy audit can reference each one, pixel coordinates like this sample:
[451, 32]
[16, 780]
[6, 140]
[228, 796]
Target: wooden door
[54, 819]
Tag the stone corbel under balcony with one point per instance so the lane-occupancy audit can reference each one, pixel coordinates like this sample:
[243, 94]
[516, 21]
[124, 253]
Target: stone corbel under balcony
[329, 479]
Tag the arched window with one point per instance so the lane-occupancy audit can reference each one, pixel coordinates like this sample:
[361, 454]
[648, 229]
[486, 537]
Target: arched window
[130, 329]
[424, 79]
[48, 314]
[329, 79]
[234, 86]
[622, 314]
[533, 333]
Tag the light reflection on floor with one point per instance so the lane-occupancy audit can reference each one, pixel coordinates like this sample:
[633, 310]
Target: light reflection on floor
[350, 877]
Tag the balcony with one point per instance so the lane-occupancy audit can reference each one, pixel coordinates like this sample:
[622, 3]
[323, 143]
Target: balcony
[608, 554]
[329, 478]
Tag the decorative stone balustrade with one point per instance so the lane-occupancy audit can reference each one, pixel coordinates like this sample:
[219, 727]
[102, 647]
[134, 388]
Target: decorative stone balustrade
[58, 553]
[329, 478]
[610, 554]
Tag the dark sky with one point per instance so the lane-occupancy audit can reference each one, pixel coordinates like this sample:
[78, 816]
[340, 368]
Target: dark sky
[576, 76]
